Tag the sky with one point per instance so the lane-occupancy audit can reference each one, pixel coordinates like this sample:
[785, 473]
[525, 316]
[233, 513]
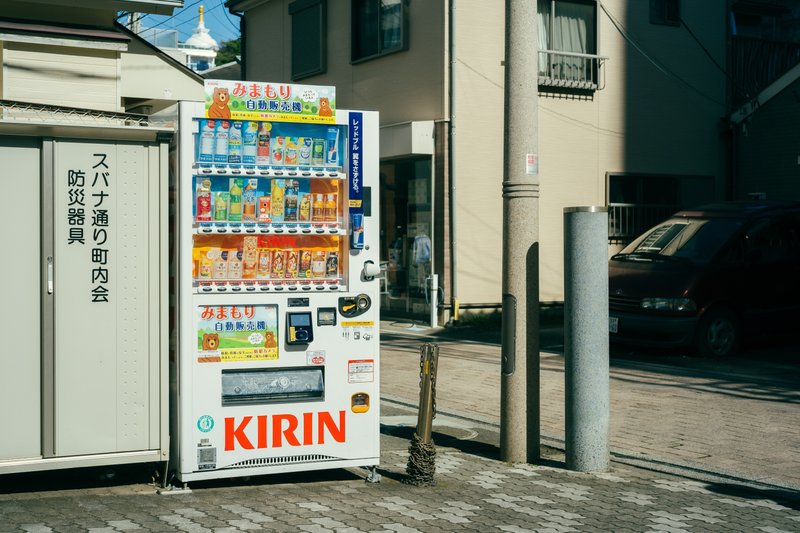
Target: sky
[222, 25]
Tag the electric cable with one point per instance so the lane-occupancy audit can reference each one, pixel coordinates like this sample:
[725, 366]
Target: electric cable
[720, 67]
[663, 69]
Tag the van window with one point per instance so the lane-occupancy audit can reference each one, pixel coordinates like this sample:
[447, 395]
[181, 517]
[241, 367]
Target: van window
[694, 239]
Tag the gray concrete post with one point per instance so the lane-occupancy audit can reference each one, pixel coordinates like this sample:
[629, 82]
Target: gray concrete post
[586, 338]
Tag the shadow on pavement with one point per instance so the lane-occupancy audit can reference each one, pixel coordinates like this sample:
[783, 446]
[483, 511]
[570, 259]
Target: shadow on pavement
[786, 498]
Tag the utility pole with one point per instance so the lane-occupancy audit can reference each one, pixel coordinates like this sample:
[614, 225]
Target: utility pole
[519, 400]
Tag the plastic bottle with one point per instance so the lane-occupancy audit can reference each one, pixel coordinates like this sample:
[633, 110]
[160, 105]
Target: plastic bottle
[235, 143]
[250, 142]
[235, 208]
[290, 197]
[203, 213]
[291, 151]
[331, 208]
[249, 201]
[207, 136]
[221, 207]
[318, 208]
[263, 153]
[304, 211]
[221, 145]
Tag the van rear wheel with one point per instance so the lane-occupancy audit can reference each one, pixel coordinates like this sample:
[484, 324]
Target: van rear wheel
[717, 333]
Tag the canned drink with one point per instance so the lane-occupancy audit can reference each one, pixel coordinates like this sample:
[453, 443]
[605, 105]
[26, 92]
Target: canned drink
[358, 231]
[332, 265]
[332, 153]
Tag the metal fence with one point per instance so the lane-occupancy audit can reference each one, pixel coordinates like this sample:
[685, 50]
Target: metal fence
[628, 221]
[569, 69]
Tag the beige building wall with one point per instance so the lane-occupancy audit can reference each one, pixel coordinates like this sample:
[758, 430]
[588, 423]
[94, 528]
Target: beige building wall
[646, 119]
[148, 76]
[404, 86]
[74, 77]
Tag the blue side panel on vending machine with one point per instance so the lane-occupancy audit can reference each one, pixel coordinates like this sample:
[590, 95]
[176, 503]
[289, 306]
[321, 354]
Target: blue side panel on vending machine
[356, 180]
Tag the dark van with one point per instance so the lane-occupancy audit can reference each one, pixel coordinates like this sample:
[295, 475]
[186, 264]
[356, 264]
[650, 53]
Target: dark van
[708, 276]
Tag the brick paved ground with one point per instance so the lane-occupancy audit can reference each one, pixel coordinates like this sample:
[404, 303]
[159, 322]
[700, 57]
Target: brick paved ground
[474, 492]
[725, 422]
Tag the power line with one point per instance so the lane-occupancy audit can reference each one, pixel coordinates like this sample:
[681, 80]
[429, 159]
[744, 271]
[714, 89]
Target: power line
[228, 18]
[713, 60]
[621, 29]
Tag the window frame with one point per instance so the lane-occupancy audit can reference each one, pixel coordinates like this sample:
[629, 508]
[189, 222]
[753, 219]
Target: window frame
[355, 5]
[659, 12]
[318, 8]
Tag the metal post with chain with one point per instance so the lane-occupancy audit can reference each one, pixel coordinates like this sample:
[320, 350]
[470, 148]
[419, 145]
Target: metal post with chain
[422, 452]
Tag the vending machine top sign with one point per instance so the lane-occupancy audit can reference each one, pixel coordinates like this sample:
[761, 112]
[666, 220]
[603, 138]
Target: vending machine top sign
[276, 102]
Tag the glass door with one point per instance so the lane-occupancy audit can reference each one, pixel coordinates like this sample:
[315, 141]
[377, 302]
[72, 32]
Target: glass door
[406, 237]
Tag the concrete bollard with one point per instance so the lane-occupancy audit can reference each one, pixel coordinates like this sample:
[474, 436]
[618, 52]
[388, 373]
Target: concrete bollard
[586, 338]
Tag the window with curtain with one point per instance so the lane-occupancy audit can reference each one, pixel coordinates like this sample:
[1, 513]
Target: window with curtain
[567, 36]
[380, 27]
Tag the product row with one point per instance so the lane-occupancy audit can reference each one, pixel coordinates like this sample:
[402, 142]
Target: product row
[266, 201]
[254, 143]
[225, 258]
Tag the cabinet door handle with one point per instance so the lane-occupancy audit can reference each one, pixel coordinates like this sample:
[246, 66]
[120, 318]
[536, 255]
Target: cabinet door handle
[49, 275]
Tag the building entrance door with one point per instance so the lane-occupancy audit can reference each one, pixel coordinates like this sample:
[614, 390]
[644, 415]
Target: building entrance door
[406, 238]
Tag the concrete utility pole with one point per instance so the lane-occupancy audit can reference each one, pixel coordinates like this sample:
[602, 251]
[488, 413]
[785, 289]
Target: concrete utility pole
[519, 400]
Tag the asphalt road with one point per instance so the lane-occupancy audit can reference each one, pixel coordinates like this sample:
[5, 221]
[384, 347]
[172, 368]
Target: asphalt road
[738, 417]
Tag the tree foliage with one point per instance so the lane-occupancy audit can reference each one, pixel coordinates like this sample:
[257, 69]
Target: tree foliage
[228, 51]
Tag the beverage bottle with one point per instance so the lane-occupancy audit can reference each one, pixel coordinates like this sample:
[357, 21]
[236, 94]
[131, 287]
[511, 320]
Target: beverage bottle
[249, 142]
[204, 201]
[304, 211]
[207, 139]
[235, 208]
[318, 208]
[277, 200]
[290, 197]
[277, 148]
[249, 200]
[221, 207]
[221, 145]
[235, 143]
[263, 153]
[234, 264]
[331, 209]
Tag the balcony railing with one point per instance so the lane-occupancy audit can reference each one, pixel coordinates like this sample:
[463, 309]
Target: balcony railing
[755, 63]
[569, 70]
[628, 221]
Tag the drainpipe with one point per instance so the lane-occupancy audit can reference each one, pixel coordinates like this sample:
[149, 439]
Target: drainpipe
[451, 145]
[242, 36]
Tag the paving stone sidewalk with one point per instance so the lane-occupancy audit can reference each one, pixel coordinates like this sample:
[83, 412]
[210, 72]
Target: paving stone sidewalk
[474, 492]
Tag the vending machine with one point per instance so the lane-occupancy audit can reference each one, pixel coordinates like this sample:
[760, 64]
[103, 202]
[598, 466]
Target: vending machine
[277, 365]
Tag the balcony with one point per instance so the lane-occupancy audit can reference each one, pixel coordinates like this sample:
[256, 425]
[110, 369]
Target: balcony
[569, 70]
[628, 221]
[755, 63]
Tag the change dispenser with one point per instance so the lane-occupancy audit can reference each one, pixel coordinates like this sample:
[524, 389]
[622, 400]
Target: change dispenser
[278, 340]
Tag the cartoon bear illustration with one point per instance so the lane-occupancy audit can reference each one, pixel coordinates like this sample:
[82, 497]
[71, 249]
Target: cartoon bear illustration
[219, 107]
[270, 342]
[210, 341]
[325, 107]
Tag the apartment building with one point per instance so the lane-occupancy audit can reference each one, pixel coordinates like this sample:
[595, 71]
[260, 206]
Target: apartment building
[632, 105]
